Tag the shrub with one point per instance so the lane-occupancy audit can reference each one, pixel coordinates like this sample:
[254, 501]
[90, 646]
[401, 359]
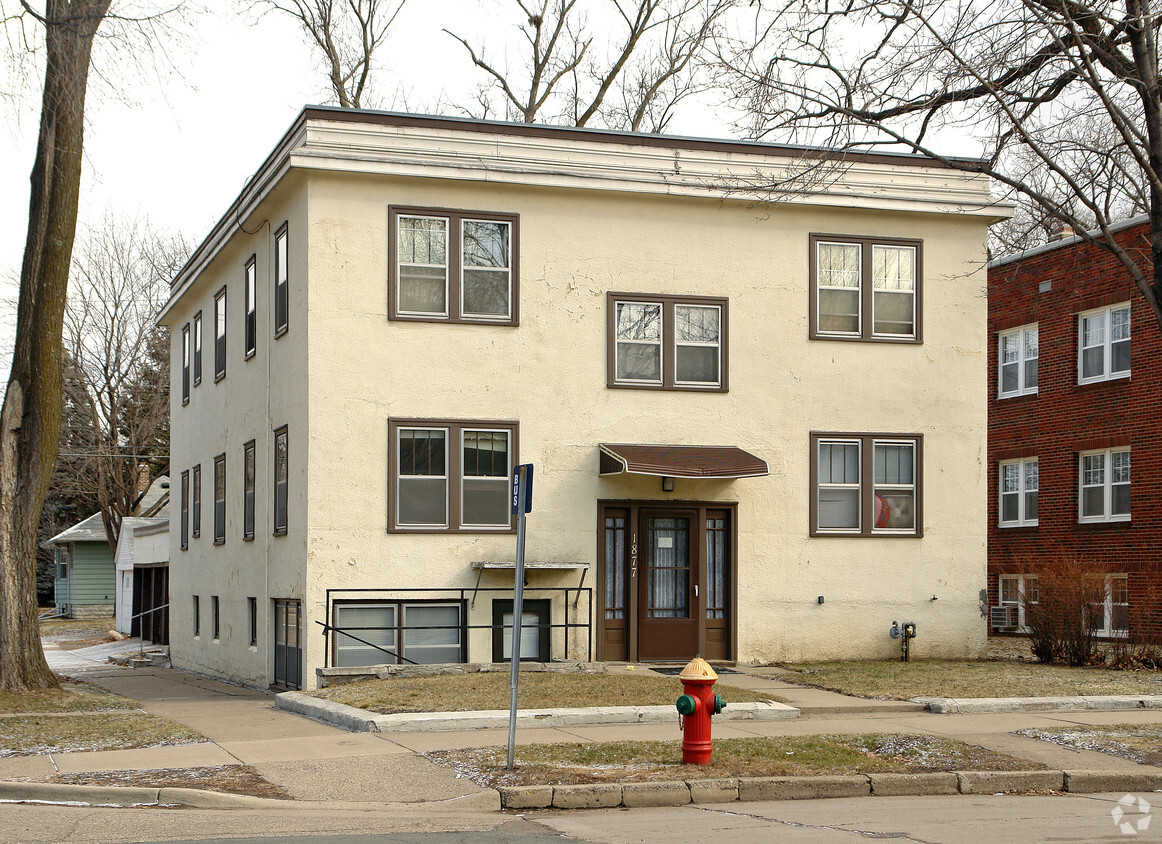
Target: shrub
[1061, 619]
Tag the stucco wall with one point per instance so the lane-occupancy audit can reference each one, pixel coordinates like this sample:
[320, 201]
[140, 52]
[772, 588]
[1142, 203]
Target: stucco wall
[549, 373]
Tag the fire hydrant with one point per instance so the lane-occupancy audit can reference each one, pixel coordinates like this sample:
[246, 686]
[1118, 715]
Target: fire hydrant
[695, 708]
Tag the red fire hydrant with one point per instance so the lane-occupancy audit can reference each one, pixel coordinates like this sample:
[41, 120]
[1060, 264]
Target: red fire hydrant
[695, 708]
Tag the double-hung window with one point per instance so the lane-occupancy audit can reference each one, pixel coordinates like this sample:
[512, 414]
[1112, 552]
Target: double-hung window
[220, 499]
[280, 480]
[251, 307]
[220, 334]
[666, 342]
[865, 484]
[281, 283]
[1104, 485]
[1017, 362]
[197, 348]
[248, 490]
[1110, 610]
[186, 364]
[185, 528]
[865, 289]
[453, 266]
[1020, 591]
[1018, 492]
[197, 514]
[451, 476]
[1103, 344]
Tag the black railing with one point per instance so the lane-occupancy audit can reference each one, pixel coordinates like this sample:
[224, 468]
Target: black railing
[571, 596]
[141, 637]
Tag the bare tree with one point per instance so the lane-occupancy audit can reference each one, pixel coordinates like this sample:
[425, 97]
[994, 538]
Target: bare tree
[347, 33]
[31, 414]
[1060, 94]
[631, 79]
[117, 360]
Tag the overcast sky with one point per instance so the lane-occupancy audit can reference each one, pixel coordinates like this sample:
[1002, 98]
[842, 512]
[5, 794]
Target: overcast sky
[178, 145]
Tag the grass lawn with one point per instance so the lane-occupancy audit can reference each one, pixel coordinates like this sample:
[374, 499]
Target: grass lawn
[537, 690]
[35, 735]
[1141, 744]
[561, 764]
[69, 696]
[963, 678]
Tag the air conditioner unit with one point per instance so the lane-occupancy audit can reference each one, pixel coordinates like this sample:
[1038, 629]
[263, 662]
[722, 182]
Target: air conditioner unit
[1004, 617]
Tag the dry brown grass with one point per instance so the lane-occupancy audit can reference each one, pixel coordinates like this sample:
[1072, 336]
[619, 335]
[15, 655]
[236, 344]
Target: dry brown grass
[537, 690]
[1141, 744]
[69, 696]
[656, 761]
[35, 735]
[970, 679]
[230, 779]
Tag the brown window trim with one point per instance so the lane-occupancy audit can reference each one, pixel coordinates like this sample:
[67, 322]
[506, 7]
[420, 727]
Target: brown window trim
[220, 309]
[184, 537]
[667, 302]
[186, 360]
[249, 485]
[283, 233]
[280, 530]
[866, 244]
[250, 308]
[196, 512]
[197, 334]
[866, 485]
[454, 217]
[453, 469]
[399, 604]
[220, 538]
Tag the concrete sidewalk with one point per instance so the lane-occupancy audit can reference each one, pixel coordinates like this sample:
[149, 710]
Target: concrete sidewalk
[318, 762]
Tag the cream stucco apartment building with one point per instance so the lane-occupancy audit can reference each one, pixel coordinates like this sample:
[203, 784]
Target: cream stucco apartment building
[757, 427]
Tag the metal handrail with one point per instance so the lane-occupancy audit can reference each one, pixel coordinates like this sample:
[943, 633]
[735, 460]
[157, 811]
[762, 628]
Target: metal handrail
[140, 638]
[327, 628]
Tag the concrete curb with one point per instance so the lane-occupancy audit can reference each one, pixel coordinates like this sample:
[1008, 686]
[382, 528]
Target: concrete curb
[961, 706]
[749, 789]
[359, 720]
[127, 796]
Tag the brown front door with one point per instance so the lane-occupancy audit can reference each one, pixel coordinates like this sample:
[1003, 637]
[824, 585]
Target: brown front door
[667, 626]
[666, 582]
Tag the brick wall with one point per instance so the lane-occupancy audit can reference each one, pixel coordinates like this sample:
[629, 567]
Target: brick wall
[1064, 418]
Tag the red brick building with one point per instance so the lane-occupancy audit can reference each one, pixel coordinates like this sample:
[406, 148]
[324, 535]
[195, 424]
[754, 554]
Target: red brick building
[1075, 430]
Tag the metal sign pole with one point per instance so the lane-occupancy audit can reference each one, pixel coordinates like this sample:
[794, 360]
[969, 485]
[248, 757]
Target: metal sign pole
[522, 503]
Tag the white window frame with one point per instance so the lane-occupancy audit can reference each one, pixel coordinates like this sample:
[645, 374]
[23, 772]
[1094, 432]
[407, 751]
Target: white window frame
[869, 487]
[820, 287]
[500, 481]
[446, 477]
[1105, 343]
[697, 344]
[1107, 485]
[1021, 335]
[1108, 603]
[399, 263]
[1026, 585]
[1022, 492]
[617, 342]
[507, 270]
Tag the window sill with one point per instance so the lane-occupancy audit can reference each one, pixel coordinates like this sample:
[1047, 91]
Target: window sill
[1117, 520]
[854, 535]
[249, 538]
[249, 355]
[1104, 380]
[219, 541]
[1016, 525]
[280, 532]
[476, 531]
[197, 381]
[669, 388]
[219, 377]
[852, 338]
[506, 322]
[185, 402]
[281, 332]
[1024, 395]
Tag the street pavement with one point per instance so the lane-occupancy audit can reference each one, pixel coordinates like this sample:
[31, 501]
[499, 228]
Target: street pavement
[380, 785]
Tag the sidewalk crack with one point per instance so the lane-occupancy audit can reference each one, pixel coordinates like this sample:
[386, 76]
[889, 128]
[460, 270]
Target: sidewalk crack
[865, 833]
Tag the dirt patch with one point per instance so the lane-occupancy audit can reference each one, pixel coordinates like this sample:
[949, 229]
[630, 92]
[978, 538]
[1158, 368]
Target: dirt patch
[467, 692]
[229, 779]
[69, 696]
[657, 761]
[1126, 741]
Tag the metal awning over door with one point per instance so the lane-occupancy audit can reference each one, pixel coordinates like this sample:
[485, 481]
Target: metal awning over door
[681, 461]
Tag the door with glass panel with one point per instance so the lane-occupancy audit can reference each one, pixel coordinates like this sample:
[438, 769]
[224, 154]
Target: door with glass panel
[667, 595]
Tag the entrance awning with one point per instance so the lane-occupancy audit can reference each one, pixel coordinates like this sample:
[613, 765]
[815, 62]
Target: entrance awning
[681, 461]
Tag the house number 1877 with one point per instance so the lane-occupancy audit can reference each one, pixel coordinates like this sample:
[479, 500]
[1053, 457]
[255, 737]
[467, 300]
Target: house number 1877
[633, 557]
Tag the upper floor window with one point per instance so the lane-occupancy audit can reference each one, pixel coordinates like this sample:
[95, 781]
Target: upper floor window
[251, 308]
[248, 490]
[1105, 486]
[451, 475]
[197, 348]
[865, 484]
[186, 364]
[666, 342]
[1017, 361]
[453, 266]
[220, 499]
[220, 334]
[865, 288]
[281, 283]
[197, 511]
[185, 505]
[1018, 492]
[1103, 344]
[280, 481]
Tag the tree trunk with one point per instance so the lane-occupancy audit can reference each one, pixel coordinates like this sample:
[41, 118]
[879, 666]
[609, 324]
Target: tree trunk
[31, 414]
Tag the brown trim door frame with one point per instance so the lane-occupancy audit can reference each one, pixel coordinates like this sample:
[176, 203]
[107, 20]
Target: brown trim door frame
[624, 629]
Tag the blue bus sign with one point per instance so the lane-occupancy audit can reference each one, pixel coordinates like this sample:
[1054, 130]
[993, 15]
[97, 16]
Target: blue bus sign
[523, 472]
